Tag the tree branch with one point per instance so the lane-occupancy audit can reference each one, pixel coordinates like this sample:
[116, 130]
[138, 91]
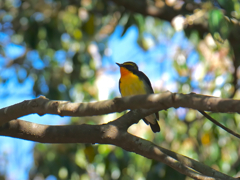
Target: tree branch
[161, 10]
[151, 103]
[220, 125]
[112, 133]
[159, 101]
[158, 9]
[236, 62]
[115, 132]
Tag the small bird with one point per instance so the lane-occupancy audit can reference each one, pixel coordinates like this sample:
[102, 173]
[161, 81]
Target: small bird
[135, 82]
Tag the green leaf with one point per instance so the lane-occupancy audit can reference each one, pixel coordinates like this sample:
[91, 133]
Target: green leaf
[215, 17]
[129, 23]
[140, 22]
[218, 25]
[227, 5]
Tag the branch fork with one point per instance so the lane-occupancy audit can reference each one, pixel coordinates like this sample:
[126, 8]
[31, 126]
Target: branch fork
[115, 132]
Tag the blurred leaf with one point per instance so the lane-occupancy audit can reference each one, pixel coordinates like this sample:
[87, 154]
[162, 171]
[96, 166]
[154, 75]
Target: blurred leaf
[142, 42]
[215, 17]
[227, 5]
[218, 25]
[90, 153]
[140, 22]
[205, 139]
[88, 26]
[128, 24]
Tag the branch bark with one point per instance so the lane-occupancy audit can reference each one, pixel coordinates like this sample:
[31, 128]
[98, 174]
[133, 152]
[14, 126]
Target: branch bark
[112, 133]
[115, 132]
[159, 102]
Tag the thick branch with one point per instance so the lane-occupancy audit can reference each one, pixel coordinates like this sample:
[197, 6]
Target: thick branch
[158, 9]
[111, 133]
[159, 101]
[115, 132]
[161, 10]
[236, 62]
[165, 11]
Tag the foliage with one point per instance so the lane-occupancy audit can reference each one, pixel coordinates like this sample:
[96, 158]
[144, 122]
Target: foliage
[64, 42]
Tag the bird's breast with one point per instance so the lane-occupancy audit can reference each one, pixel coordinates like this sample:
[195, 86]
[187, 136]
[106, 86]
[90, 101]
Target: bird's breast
[132, 85]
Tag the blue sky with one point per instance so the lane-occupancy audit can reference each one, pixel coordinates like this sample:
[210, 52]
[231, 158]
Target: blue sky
[156, 63]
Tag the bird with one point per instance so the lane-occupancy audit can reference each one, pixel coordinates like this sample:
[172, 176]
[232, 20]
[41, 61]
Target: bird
[135, 82]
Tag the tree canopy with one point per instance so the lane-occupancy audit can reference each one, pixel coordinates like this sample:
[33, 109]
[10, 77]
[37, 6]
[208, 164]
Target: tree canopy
[63, 47]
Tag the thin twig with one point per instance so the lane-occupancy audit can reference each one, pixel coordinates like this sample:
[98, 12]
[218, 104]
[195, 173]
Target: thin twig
[220, 125]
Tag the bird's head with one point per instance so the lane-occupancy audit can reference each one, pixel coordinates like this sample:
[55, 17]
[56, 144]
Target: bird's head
[131, 66]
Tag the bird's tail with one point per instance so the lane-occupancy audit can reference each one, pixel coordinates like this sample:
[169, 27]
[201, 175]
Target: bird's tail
[155, 127]
[153, 123]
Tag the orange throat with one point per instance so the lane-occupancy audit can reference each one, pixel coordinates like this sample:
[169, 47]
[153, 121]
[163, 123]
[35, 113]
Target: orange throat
[124, 71]
[130, 84]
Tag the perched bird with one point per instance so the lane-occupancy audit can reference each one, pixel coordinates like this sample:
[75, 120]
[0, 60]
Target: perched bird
[134, 82]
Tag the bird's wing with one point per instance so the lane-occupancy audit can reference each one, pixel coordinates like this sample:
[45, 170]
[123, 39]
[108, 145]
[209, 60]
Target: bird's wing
[119, 86]
[148, 86]
[147, 81]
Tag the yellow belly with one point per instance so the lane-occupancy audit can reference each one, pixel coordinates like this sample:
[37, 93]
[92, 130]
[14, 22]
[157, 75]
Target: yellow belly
[131, 85]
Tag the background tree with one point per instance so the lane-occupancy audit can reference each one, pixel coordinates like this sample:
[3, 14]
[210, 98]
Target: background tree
[65, 43]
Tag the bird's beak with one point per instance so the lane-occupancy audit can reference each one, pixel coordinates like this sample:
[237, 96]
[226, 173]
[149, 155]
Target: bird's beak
[119, 64]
